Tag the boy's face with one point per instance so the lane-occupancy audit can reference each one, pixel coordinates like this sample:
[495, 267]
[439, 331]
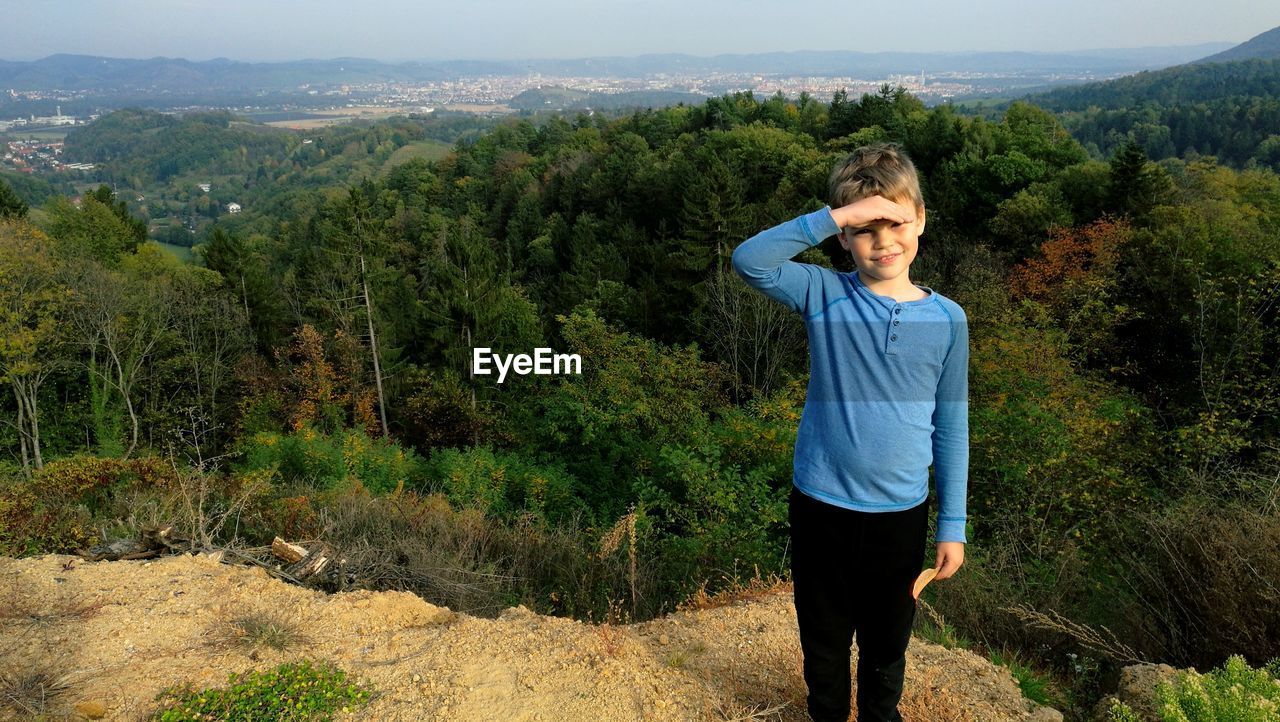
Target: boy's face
[884, 249]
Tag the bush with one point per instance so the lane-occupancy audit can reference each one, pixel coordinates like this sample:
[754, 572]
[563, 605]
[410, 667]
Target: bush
[1203, 569]
[293, 691]
[53, 511]
[472, 563]
[1234, 692]
[324, 461]
[503, 484]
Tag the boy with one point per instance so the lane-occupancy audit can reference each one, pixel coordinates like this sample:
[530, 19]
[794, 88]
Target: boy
[887, 395]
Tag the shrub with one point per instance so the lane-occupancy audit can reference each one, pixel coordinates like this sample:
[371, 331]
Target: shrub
[1202, 568]
[1235, 692]
[325, 461]
[502, 484]
[292, 691]
[53, 511]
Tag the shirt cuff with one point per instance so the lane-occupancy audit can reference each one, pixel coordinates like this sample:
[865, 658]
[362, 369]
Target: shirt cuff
[819, 225]
[951, 530]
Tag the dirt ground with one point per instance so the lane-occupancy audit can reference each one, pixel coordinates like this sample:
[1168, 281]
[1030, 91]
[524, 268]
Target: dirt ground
[123, 631]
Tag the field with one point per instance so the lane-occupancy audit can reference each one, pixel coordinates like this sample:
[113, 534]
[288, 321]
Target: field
[44, 134]
[426, 149]
[336, 116]
[182, 253]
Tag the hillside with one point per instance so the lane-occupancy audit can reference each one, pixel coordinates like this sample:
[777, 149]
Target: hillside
[1265, 46]
[124, 631]
[1182, 85]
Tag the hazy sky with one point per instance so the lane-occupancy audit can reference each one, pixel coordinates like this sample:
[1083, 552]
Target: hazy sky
[502, 29]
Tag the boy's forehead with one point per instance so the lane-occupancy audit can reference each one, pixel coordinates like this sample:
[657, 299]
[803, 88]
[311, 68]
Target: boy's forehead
[904, 200]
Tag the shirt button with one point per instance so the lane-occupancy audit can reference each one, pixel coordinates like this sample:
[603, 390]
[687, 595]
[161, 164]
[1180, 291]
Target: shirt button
[893, 337]
[895, 322]
[897, 310]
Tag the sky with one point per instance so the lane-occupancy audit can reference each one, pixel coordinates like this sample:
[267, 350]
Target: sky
[398, 30]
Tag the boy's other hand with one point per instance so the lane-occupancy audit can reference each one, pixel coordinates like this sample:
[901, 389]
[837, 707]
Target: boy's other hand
[950, 557]
[866, 211]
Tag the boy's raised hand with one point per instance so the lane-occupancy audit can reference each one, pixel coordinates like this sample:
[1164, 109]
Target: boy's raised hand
[870, 209]
[950, 557]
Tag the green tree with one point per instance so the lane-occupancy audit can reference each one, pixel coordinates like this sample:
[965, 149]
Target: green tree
[1136, 185]
[11, 206]
[33, 303]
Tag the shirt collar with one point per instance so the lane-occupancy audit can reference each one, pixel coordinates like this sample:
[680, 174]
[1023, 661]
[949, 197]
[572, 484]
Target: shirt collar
[889, 301]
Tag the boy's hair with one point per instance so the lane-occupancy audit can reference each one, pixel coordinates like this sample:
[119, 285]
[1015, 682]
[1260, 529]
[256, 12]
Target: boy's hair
[878, 169]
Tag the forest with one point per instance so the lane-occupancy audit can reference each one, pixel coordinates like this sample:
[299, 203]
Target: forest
[1228, 110]
[307, 376]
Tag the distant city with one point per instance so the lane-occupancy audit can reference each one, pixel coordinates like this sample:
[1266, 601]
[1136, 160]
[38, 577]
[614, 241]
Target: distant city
[493, 94]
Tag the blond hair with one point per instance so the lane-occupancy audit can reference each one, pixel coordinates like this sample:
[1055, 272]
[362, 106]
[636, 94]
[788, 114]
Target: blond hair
[878, 169]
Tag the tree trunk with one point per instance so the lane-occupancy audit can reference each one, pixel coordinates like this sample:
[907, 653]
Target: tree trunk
[471, 374]
[22, 435]
[373, 344]
[128, 404]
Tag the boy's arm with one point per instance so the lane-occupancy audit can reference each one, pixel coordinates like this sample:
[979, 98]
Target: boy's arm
[951, 435]
[763, 260]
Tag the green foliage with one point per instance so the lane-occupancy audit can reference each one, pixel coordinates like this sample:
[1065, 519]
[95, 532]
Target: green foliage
[633, 395]
[1235, 692]
[291, 691]
[1121, 712]
[11, 206]
[503, 485]
[52, 512]
[152, 146]
[1034, 685]
[325, 461]
[93, 230]
[1220, 109]
[1053, 444]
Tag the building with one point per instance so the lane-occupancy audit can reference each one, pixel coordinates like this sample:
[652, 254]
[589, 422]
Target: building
[233, 208]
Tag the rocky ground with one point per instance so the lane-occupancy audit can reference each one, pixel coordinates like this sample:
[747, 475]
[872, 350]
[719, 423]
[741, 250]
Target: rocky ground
[123, 631]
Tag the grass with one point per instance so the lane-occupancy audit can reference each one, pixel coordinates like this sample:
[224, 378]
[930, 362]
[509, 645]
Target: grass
[18, 607]
[31, 693]
[932, 627]
[757, 587]
[1034, 685]
[257, 630]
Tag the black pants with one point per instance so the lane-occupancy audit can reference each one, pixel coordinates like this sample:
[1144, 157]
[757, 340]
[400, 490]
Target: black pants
[853, 571]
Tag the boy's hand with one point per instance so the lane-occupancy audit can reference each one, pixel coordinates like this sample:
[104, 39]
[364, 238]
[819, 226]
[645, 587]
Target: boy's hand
[867, 210]
[950, 557]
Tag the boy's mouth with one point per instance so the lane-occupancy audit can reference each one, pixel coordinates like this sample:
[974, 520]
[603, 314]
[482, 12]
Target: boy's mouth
[886, 260]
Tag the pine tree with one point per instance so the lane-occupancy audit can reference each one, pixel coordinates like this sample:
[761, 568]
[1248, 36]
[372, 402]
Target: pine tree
[11, 206]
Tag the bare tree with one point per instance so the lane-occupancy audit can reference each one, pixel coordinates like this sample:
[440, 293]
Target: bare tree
[755, 335]
[125, 321]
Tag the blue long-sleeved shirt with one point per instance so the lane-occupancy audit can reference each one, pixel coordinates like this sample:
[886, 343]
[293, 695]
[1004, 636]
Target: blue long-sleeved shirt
[888, 381]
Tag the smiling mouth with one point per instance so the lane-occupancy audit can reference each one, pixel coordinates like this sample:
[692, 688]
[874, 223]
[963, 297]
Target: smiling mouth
[888, 259]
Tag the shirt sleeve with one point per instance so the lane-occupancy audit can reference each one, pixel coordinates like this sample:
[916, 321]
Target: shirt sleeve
[763, 260]
[951, 434]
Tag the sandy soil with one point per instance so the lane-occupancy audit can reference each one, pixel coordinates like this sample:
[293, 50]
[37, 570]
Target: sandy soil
[126, 630]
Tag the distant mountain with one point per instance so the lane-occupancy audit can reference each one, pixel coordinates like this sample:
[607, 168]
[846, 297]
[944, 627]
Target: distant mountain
[175, 75]
[178, 76]
[1264, 47]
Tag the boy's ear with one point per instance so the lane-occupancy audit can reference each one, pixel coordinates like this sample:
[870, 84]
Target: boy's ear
[922, 219]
